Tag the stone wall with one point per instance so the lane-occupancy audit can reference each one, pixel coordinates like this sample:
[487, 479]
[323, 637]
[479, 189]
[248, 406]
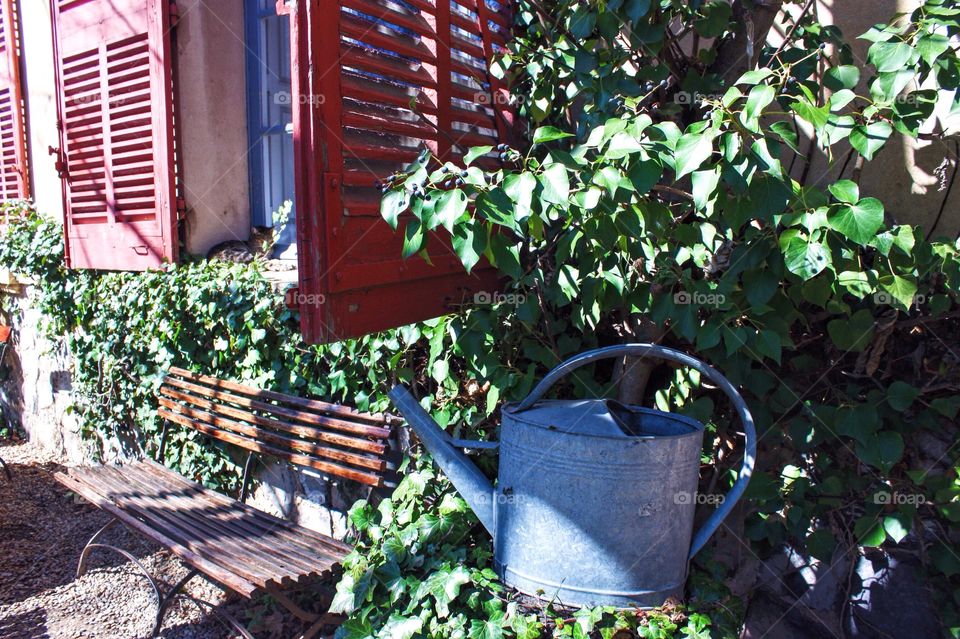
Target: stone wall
[36, 395]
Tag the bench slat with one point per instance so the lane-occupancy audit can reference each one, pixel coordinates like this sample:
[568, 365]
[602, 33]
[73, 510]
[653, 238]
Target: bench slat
[310, 538]
[273, 409]
[259, 447]
[197, 537]
[310, 432]
[226, 577]
[301, 402]
[373, 463]
[273, 545]
[296, 540]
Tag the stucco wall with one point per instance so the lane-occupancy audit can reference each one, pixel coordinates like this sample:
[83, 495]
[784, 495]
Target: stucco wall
[902, 175]
[40, 93]
[213, 126]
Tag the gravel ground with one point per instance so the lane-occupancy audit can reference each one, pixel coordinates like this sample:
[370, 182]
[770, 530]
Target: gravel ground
[43, 528]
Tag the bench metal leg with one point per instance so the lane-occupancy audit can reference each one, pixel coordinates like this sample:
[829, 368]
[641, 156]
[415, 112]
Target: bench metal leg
[168, 599]
[216, 611]
[136, 562]
[82, 565]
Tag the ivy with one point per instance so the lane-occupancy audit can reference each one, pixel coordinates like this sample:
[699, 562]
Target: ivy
[124, 330]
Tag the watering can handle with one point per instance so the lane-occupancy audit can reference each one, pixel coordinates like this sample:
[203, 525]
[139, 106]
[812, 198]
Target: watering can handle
[662, 352]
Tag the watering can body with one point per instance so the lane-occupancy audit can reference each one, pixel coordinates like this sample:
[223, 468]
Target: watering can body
[595, 500]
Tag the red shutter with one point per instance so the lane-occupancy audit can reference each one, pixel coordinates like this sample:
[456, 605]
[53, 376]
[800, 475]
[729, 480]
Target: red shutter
[116, 130]
[355, 78]
[14, 171]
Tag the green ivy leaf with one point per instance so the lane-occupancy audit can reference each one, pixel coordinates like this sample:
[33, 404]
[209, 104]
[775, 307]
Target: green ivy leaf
[846, 191]
[394, 203]
[468, 244]
[900, 395]
[857, 222]
[413, 237]
[556, 185]
[474, 153]
[802, 256]
[869, 139]
[889, 56]
[897, 526]
[844, 76]
[758, 99]
[869, 531]
[450, 207]
[400, 627]
[853, 333]
[491, 628]
[548, 134]
[692, 150]
[902, 290]
[520, 188]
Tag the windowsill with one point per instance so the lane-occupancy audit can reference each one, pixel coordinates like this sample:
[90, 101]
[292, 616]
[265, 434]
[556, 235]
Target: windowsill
[281, 277]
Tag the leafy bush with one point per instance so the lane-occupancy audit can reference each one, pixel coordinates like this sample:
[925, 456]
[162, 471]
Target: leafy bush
[125, 329]
[667, 196]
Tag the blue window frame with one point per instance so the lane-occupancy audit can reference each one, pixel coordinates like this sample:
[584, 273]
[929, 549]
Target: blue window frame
[269, 121]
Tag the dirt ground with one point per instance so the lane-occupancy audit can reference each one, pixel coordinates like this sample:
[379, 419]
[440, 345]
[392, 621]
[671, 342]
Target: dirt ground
[43, 528]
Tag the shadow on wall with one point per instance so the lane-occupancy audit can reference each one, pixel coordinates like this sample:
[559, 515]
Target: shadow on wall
[911, 177]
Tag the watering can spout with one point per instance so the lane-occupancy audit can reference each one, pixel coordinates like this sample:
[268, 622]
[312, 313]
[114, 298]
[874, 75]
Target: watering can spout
[472, 484]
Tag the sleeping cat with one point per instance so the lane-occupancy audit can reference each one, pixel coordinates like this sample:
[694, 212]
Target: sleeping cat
[258, 246]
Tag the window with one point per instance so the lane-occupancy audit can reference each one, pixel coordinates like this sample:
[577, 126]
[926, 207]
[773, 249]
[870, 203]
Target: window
[270, 123]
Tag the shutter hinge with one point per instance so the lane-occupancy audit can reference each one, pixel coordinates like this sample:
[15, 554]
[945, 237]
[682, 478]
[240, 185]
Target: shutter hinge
[174, 13]
[285, 7]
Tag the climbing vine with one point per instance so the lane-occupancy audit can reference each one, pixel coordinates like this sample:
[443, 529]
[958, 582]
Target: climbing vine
[123, 330]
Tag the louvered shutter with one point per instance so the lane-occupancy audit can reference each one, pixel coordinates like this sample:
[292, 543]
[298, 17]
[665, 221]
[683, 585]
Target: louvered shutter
[116, 123]
[360, 65]
[14, 171]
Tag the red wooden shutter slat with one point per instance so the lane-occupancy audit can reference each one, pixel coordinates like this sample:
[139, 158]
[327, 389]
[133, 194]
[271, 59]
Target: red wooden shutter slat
[116, 124]
[371, 90]
[14, 168]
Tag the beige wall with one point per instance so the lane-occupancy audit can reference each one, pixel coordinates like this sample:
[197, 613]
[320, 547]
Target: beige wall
[902, 174]
[40, 92]
[213, 126]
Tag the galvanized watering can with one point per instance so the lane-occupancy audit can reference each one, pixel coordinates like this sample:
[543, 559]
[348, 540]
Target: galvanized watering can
[594, 503]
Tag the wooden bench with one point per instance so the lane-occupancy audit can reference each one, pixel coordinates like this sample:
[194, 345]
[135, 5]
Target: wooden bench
[244, 549]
